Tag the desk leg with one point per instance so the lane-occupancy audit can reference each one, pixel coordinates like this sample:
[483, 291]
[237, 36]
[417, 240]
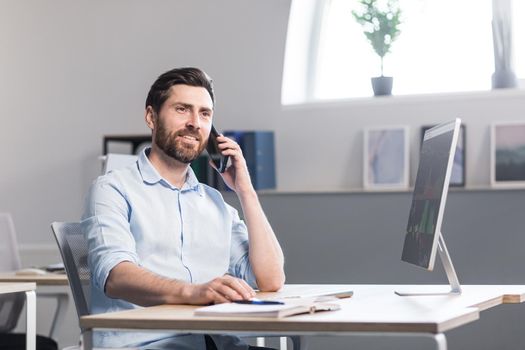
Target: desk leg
[283, 343]
[299, 342]
[60, 312]
[30, 320]
[87, 340]
[441, 341]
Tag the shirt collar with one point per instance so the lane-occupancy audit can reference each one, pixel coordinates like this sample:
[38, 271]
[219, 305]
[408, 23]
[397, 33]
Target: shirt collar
[151, 176]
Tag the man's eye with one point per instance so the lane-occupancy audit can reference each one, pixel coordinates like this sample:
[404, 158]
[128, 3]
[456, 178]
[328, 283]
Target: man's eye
[181, 109]
[206, 114]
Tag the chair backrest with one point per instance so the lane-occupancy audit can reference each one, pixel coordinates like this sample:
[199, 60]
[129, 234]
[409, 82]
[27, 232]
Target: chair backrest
[10, 304]
[74, 250]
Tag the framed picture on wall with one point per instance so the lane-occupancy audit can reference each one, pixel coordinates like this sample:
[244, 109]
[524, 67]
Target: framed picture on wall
[385, 158]
[507, 160]
[458, 176]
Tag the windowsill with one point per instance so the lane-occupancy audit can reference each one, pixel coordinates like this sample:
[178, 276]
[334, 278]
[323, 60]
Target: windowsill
[408, 99]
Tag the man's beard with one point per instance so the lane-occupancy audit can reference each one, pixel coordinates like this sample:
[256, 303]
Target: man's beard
[173, 146]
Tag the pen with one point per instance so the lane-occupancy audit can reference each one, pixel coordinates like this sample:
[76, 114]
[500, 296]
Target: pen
[258, 302]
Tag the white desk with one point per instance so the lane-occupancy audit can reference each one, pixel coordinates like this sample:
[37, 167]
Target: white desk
[29, 289]
[374, 309]
[48, 279]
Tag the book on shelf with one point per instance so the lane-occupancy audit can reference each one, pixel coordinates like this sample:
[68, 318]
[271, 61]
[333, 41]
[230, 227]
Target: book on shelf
[266, 311]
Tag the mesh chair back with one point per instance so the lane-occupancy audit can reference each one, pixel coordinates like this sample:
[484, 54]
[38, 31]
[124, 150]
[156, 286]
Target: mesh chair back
[74, 250]
[10, 304]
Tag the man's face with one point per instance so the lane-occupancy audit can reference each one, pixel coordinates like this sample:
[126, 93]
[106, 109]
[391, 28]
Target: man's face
[183, 123]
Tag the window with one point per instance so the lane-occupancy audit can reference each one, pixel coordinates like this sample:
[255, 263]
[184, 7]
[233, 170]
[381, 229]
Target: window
[444, 46]
[518, 30]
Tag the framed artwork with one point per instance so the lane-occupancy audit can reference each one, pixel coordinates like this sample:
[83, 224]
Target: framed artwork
[385, 158]
[458, 176]
[507, 159]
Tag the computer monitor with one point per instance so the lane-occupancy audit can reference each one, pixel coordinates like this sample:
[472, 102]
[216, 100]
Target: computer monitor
[423, 239]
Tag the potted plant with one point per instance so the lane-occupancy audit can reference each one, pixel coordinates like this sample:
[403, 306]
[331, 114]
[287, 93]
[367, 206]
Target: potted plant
[380, 20]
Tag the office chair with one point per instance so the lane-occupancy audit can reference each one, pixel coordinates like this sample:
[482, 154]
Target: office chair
[11, 305]
[74, 251]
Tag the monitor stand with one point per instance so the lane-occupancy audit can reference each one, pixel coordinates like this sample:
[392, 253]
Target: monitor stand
[449, 270]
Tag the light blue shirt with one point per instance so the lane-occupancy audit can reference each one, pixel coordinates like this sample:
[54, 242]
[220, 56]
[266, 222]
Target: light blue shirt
[189, 234]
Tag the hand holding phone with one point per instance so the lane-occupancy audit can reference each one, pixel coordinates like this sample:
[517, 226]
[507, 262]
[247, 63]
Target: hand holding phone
[214, 152]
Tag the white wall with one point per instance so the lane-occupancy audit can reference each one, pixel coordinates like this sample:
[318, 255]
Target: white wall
[335, 131]
[72, 71]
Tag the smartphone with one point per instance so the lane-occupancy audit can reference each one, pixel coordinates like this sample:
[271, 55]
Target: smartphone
[217, 158]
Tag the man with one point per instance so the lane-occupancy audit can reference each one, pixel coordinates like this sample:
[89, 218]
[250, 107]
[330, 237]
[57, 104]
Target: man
[157, 236]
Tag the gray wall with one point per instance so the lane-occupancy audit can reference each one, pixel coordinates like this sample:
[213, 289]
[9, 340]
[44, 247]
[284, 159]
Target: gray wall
[72, 71]
[358, 238]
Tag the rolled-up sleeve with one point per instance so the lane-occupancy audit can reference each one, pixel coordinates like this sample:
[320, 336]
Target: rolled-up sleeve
[106, 227]
[239, 258]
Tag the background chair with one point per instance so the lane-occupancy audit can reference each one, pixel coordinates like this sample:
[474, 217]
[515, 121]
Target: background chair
[113, 161]
[11, 305]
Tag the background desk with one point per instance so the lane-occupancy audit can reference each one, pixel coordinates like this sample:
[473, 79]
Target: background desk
[48, 279]
[29, 290]
[373, 309]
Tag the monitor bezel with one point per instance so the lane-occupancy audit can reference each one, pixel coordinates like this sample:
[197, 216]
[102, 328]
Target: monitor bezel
[429, 134]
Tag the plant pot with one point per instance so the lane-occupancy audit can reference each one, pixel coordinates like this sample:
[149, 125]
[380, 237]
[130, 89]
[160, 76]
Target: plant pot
[382, 85]
[503, 79]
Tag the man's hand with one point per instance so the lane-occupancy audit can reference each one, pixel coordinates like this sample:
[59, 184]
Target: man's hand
[236, 176]
[220, 290]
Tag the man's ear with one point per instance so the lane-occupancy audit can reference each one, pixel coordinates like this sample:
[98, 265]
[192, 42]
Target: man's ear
[150, 117]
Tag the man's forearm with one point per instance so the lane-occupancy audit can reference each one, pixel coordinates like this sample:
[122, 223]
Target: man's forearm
[266, 256]
[141, 287]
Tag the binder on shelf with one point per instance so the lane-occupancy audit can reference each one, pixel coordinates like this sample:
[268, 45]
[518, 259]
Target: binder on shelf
[258, 148]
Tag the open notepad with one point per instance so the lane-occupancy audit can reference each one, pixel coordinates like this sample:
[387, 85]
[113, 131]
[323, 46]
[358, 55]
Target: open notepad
[275, 311]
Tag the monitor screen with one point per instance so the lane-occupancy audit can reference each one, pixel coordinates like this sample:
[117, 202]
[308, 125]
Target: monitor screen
[430, 193]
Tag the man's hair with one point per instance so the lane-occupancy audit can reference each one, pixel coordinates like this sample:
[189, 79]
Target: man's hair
[160, 90]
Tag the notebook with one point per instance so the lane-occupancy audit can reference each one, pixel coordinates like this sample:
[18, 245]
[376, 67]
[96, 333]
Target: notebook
[269, 311]
[302, 291]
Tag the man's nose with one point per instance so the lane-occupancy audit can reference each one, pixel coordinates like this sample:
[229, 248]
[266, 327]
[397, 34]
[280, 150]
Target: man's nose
[194, 120]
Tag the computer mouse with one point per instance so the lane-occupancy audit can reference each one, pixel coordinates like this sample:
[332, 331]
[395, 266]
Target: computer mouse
[30, 271]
